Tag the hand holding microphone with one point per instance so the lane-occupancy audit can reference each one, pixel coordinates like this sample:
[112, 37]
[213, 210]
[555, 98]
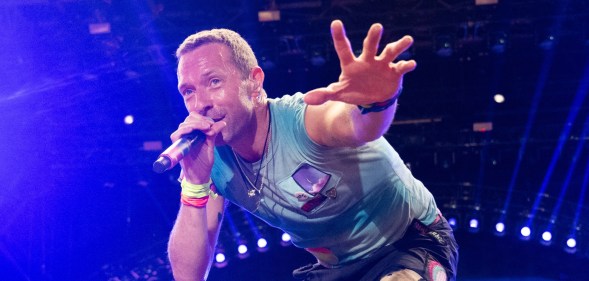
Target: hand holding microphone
[195, 131]
[175, 152]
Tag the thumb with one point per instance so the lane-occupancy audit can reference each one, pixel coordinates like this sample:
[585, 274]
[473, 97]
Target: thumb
[317, 96]
[216, 129]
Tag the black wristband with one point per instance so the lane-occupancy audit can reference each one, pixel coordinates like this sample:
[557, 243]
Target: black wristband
[377, 106]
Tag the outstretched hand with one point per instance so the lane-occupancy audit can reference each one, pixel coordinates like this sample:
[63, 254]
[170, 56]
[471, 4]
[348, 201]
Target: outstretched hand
[368, 78]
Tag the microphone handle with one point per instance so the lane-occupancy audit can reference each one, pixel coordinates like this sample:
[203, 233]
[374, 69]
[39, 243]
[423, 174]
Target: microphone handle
[175, 152]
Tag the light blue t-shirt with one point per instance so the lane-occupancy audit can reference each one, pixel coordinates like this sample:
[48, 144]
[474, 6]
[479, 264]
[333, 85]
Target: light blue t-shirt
[338, 203]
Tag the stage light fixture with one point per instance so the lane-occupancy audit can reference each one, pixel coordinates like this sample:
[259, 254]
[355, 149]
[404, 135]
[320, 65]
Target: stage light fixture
[262, 245]
[129, 119]
[571, 245]
[285, 240]
[546, 238]
[242, 249]
[453, 222]
[220, 258]
[525, 233]
[499, 98]
[571, 242]
[473, 225]
[285, 237]
[500, 229]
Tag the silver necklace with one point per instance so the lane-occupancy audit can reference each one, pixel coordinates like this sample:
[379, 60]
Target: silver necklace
[254, 186]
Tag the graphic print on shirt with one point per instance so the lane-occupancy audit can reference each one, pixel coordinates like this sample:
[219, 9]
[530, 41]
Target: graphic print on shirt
[311, 181]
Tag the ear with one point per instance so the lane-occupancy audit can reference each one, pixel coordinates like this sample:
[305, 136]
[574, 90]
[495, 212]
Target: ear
[257, 78]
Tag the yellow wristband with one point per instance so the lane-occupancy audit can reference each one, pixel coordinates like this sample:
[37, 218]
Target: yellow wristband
[195, 190]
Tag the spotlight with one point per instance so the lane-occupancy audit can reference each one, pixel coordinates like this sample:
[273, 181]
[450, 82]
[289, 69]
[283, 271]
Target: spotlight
[285, 239]
[499, 98]
[453, 222]
[571, 245]
[473, 225]
[500, 229]
[525, 233]
[262, 245]
[129, 119]
[546, 238]
[220, 259]
[242, 251]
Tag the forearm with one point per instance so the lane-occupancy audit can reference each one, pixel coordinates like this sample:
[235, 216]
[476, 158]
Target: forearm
[189, 248]
[371, 125]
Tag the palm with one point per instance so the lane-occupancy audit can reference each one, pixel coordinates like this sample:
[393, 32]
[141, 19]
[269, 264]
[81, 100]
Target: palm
[367, 78]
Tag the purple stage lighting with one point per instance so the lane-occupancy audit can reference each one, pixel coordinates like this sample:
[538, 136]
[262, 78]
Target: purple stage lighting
[220, 258]
[242, 249]
[262, 243]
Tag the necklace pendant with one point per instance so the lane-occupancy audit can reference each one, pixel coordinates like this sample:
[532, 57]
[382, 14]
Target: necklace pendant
[251, 193]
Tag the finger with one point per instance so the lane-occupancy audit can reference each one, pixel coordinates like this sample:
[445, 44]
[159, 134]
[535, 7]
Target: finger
[370, 45]
[393, 50]
[403, 67]
[188, 126]
[317, 96]
[341, 43]
[216, 128]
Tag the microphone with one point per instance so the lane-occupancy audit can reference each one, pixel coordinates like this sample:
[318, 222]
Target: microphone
[175, 152]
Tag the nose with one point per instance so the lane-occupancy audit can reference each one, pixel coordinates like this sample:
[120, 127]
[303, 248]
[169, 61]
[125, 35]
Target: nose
[200, 104]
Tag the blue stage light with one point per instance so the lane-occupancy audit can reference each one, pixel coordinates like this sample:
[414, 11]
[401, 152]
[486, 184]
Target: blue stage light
[499, 228]
[262, 243]
[571, 242]
[242, 249]
[525, 232]
[453, 222]
[285, 237]
[473, 223]
[220, 258]
[547, 236]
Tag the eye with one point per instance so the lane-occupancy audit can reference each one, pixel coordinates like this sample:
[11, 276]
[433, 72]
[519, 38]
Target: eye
[187, 92]
[214, 82]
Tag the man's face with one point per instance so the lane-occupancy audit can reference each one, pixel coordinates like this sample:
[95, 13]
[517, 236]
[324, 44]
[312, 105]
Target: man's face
[212, 86]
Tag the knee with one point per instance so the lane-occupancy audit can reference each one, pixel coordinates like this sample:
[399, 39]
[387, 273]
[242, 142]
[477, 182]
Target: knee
[402, 275]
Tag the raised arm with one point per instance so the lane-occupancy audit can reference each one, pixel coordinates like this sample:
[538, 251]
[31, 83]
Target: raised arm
[194, 236]
[372, 81]
[192, 242]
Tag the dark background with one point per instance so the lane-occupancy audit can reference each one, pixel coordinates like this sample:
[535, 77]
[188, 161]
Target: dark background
[78, 199]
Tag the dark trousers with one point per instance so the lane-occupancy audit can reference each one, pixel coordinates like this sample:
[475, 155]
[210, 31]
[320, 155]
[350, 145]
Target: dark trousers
[423, 249]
